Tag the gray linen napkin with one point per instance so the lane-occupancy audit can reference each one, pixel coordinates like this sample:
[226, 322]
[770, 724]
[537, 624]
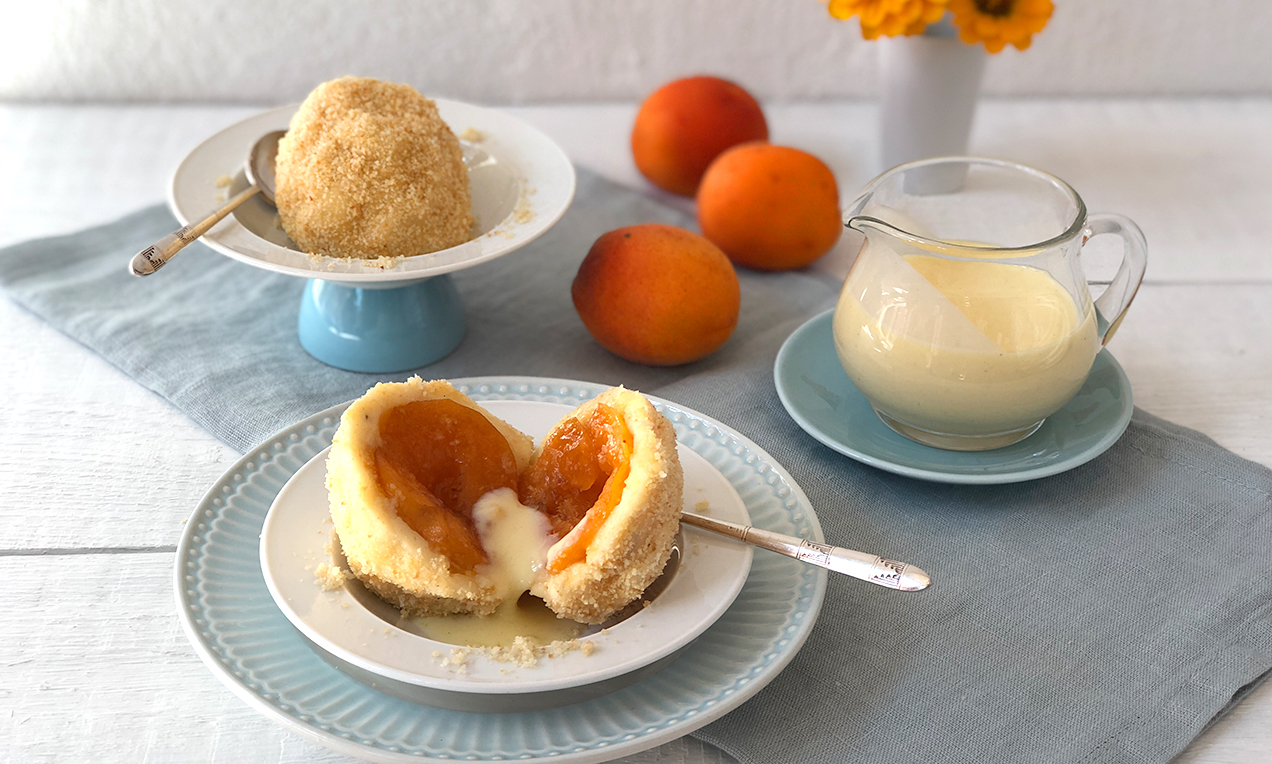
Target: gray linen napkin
[1103, 615]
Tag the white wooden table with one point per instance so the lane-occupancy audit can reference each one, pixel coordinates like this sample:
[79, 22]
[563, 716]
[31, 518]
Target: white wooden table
[93, 663]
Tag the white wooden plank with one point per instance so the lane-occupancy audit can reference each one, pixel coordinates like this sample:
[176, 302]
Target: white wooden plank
[69, 167]
[94, 667]
[1190, 172]
[1241, 737]
[110, 678]
[75, 430]
[1201, 356]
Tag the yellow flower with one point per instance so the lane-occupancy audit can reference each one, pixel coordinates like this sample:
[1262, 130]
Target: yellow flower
[998, 22]
[889, 17]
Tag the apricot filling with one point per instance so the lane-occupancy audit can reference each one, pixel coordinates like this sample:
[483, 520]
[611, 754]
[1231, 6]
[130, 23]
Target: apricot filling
[438, 458]
[578, 479]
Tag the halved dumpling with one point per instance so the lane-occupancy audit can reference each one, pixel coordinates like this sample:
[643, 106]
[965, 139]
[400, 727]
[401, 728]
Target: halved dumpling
[407, 464]
[609, 479]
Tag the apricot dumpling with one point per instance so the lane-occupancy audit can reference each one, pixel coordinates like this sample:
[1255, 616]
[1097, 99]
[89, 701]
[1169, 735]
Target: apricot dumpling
[369, 169]
[407, 464]
[418, 472]
[615, 533]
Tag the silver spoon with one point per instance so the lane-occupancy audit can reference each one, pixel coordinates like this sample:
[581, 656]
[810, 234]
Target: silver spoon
[259, 169]
[867, 567]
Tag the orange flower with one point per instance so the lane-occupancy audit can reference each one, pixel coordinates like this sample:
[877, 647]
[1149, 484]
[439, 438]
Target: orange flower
[998, 22]
[889, 17]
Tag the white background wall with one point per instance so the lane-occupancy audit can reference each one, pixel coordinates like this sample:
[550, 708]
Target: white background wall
[517, 51]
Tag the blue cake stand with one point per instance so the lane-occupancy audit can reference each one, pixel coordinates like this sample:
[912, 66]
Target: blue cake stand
[381, 330]
[393, 314]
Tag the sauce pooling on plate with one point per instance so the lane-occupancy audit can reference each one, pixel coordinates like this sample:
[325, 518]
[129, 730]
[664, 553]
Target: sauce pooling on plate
[516, 539]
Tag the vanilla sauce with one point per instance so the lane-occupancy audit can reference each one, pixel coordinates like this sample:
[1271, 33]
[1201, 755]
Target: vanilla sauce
[516, 539]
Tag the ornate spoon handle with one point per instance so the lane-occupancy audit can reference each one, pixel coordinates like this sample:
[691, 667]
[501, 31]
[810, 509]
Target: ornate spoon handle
[157, 255]
[867, 567]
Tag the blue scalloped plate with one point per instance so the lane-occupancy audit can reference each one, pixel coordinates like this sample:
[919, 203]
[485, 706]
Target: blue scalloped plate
[238, 631]
[823, 401]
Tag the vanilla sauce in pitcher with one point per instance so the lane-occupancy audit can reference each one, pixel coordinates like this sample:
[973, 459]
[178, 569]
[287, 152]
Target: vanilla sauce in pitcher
[961, 346]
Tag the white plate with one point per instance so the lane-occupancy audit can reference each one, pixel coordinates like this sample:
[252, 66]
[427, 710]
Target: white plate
[521, 183]
[295, 540]
[231, 620]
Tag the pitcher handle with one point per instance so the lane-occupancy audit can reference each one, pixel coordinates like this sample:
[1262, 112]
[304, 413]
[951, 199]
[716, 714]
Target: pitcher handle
[1111, 306]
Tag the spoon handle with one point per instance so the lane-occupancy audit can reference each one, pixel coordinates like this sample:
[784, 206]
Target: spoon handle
[867, 567]
[157, 255]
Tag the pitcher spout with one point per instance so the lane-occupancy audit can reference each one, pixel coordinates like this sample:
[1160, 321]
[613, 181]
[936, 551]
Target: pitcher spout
[882, 224]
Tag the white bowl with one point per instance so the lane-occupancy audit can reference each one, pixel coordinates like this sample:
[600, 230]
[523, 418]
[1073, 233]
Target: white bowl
[521, 183]
[358, 633]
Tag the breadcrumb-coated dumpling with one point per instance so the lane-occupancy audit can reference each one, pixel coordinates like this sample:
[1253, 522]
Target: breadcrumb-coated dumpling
[368, 169]
[604, 562]
[384, 551]
[410, 461]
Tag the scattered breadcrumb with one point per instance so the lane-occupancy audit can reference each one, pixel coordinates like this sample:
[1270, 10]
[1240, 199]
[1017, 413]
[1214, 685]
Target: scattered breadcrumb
[472, 135]
[526, 654]
[524, 212]
[522, 652]
[381, 263]
[521, 214]
[457, 660]
[223, 181]
[703, 506]
[331, 577]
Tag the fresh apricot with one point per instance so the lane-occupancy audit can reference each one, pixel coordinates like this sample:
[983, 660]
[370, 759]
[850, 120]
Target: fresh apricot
[685, 124]
[770, 207]
[657, 294]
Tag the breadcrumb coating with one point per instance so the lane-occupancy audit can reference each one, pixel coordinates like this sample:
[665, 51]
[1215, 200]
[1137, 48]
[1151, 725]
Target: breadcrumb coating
[368, 169]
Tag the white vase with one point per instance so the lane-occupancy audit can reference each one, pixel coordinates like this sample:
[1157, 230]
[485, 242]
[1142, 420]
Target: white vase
[930, 86]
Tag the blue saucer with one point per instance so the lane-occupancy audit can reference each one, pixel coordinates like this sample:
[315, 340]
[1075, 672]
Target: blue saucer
[820, 398]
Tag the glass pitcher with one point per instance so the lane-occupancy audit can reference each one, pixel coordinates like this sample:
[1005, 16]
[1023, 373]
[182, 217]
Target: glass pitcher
[966, 320]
